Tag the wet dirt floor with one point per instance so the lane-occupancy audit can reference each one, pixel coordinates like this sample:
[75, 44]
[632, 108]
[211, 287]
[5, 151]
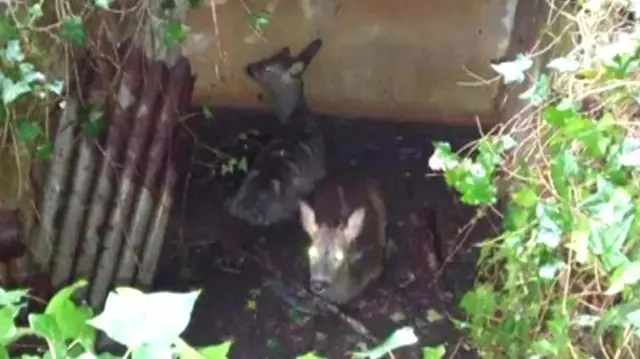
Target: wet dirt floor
[231, 260]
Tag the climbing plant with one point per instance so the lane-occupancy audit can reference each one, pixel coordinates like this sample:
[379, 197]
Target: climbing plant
[561, 280]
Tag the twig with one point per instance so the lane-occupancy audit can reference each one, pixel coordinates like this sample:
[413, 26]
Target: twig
[313, 304]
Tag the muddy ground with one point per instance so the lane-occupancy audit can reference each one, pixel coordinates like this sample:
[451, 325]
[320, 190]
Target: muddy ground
[232, 261]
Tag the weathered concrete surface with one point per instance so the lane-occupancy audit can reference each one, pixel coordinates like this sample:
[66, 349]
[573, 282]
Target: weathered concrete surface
[404, 59]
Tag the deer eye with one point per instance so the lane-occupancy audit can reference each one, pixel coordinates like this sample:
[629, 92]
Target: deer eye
[339, 255]
[313, 252]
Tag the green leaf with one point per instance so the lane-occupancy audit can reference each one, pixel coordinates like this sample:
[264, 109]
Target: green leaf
[549, 232]
[35, 13]
[72, 319]
[564, 65]
[564, 169]
[175, 33]
[243, 165]
[628, 274]
[11, 91]
[513, 71]
[46, 326]
[153, 351]
[550, 270]
[8, 328]
[630, 152]
[133, 318]
[73, 31]
[612, 213]
[56, 87]
[196, 4]
[218, 351]
[7, 29]
[539, 92]
[96, 121]
[259, 20]
[28, 131]
[526, 197]
[13, 53]
[434, 352]
[103, 4]
[402, 337]
[507, 142]
[44, 151]
[443, 158]
[309, 355]
[557, 116]
[13, 297]
[619, 316]
[207, 112]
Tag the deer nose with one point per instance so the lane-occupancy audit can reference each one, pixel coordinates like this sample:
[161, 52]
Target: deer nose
[319, 285]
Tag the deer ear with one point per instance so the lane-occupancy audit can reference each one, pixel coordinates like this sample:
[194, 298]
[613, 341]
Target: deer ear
[296, 68]
[307, 217]
[354, 224]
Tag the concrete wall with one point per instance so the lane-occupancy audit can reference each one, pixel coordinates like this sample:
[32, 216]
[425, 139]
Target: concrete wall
[406, 59]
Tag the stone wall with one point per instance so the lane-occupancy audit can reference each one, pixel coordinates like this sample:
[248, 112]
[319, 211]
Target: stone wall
[419, 60]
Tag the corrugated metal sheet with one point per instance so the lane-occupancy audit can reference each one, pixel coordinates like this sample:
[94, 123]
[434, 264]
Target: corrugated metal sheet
[105, 201]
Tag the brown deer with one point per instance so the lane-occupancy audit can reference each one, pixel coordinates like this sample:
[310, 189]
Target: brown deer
[289, 166]
[346, 219]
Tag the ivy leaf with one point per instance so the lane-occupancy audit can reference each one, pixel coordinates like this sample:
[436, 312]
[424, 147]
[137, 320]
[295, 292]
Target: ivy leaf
[11, 91]
[8, 328]
[175, 33]
[28, 131]
[402, 337]
[539, 92]
[13, 53]
[103, 4]
[44, 151]
[630, 152]
[207, 112]
[56, 87]
[259, 20]
[513, 71]
[507, 142]
[45, 326]
[12, 297]
[564, 65]
[153, 351]
[72, 319]
[549, 271]
[310, 355]
[35, 13]
[134, 319]
[549, 232]
[628, 274]
[434, 352]
[526, 197]
[73, 31]
[218, 351]
[7, 29]
[443, 158]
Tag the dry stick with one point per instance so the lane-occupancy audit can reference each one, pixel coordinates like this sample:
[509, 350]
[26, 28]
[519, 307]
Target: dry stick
[318, 305]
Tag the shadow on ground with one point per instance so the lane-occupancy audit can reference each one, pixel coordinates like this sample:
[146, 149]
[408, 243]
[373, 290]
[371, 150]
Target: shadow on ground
[231, 260]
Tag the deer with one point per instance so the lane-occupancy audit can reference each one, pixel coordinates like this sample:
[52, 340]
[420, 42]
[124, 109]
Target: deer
[289, 166]
[346, 219]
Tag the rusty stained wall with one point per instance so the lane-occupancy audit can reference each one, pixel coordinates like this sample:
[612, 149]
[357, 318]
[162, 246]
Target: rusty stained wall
[400, 59]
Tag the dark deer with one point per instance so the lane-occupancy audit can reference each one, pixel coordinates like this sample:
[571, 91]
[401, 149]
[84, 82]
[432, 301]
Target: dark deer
[346, 219]
[288, 167]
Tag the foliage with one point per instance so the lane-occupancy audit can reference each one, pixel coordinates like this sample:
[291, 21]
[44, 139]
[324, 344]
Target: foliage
[562, 278]
[137, 320]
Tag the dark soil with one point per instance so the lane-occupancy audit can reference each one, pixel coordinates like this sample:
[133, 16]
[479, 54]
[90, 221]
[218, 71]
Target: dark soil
[231, 260]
